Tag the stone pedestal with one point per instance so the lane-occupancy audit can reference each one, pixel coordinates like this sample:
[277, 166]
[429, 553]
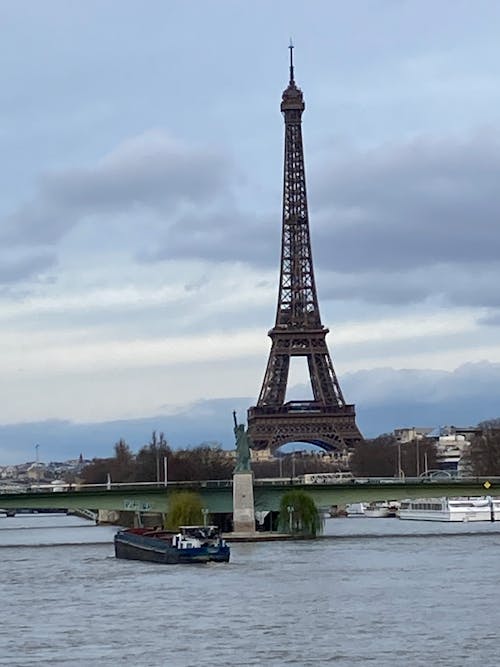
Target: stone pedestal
[243, 505]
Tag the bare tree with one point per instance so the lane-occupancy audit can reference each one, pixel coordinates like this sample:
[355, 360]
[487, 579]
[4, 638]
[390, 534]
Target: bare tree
[483, 456]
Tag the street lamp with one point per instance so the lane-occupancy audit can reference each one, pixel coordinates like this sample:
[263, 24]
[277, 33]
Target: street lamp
[165, 471]
[291, 510]
[37, 469]
[401, 474]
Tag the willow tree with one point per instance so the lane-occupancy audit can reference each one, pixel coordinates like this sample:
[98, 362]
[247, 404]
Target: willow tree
[184, 509]
[299, 514]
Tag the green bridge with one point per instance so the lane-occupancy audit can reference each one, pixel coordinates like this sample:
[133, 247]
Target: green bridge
[217, 496]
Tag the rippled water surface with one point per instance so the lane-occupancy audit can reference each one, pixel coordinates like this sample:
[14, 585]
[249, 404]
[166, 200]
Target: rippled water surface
[376, 592]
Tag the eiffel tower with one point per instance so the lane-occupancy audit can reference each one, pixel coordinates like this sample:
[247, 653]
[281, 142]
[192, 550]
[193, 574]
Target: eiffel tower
[326, 421]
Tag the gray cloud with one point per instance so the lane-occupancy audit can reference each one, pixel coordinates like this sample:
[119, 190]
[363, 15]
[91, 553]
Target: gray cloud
[396, 225]
[491, 319]
[388, 288]
[385, 399]
[221, 236]
[400, 224]
[422, 204]
[150, 171]
[457, 284]
[17, 267]
[388, 398]
[382, 385]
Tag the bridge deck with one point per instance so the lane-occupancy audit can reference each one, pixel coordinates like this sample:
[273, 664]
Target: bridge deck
[217, 496]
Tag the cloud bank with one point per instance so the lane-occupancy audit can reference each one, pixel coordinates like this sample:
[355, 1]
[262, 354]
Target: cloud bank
[385, 399]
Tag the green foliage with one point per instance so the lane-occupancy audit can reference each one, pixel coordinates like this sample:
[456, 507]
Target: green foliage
[184, 509]
[299, 514]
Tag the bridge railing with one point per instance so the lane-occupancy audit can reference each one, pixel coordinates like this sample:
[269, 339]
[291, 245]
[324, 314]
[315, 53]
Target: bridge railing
[269, 481]
[290, 481]
[108, 486]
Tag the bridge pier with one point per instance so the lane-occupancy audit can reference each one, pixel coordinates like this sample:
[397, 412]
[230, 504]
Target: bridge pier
[243, 503]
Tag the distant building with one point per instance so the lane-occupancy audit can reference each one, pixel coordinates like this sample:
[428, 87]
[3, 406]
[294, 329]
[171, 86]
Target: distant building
[261, 455]
[36, 471]
[409, 434]
[452, 443]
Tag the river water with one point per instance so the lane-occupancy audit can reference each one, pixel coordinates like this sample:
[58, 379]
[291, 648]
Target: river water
[372, 592]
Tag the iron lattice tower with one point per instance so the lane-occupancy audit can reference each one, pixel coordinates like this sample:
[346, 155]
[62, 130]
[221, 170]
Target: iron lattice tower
[326, 421]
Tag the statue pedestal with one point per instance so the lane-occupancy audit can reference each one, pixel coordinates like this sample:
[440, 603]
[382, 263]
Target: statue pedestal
[243, 505]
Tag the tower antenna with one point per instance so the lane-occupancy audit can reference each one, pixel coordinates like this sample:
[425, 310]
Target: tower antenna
[291, 47]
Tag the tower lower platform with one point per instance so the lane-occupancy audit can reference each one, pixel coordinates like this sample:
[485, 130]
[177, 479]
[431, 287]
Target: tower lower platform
[332, 428]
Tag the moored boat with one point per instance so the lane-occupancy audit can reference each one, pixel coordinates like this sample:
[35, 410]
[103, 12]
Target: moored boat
[192, 544]
[451, 509]
[355, 510]
[380, 510]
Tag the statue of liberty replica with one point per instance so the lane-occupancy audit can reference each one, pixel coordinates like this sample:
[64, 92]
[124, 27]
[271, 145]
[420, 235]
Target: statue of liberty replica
[243, 503]
[243, 445]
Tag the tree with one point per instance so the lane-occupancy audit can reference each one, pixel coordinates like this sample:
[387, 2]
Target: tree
[384, 457]
[184, 509]
[150, 459]
[483, 456]
[299, 514]
[96, 472]
[375, 458]
[123, 465]
[202, 462]
[120, 467]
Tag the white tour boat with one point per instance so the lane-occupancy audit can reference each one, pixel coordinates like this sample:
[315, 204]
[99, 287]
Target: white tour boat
[381, 510]
[451, 509]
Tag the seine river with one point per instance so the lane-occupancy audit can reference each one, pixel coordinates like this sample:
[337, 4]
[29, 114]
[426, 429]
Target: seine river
[373, 592]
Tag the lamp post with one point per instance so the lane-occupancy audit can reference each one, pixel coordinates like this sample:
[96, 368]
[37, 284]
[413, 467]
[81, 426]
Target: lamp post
[290, 509]
[399, 461]
[37, 469]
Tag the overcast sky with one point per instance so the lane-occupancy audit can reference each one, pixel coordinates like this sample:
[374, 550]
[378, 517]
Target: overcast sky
[141, 171]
